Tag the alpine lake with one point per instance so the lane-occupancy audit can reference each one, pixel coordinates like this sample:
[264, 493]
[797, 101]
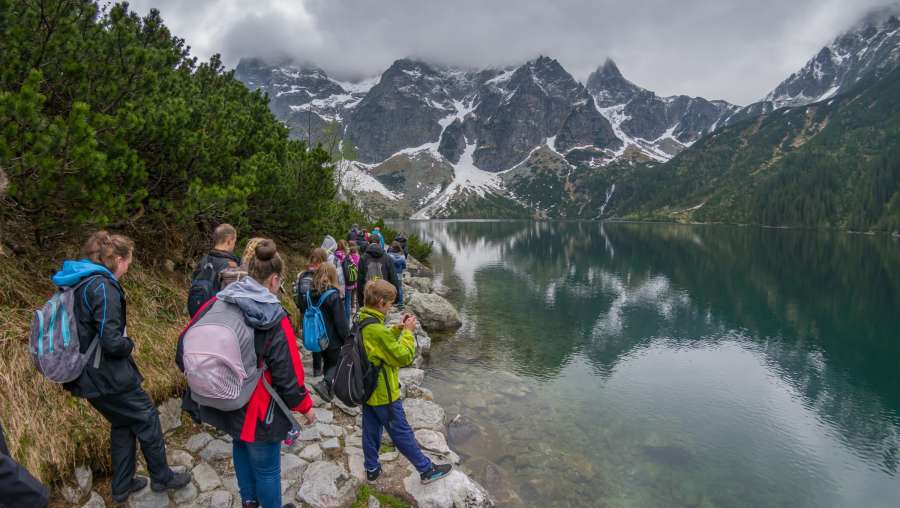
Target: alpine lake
[662, 365]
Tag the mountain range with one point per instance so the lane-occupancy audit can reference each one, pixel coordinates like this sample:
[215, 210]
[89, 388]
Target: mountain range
[530, 140]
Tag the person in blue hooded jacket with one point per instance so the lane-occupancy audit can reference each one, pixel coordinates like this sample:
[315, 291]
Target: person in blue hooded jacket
[114, 387]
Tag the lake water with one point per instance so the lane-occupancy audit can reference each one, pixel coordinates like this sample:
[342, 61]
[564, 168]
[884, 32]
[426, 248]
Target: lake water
[666, 365]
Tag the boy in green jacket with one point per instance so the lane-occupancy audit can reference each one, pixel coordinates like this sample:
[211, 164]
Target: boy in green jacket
[390, 348]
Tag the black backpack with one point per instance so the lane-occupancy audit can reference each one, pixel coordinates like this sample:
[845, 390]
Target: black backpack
[204, 285]
[355, 378]
[302, 285]
[376, 268]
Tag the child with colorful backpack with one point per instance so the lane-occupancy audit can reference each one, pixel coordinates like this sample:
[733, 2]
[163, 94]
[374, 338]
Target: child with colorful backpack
[109, 379]
[303, 284]
[244, 374]
[323, 315]
[388, 349]
[353, 263]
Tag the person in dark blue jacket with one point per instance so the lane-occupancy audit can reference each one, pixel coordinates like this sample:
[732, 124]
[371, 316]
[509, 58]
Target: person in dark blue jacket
[399, 260]
[19, 489]
[114, 388]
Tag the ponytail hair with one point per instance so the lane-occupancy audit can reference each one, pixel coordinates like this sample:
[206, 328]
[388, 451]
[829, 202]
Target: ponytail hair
[103, 248]
[325, 278]
[265, 261]
[250, 252]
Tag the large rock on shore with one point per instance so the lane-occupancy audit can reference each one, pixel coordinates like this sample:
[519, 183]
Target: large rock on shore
[434, 312]
[419, 284]
[457, 490]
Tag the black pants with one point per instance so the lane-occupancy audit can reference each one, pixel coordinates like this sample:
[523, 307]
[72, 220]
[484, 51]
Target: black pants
[330, 359]
[132, 415]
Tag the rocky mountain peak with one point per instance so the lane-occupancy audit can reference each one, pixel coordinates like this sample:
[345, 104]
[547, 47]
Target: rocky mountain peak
[609, 87]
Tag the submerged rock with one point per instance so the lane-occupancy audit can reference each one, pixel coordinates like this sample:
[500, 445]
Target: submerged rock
[434, 312]
[424, 414]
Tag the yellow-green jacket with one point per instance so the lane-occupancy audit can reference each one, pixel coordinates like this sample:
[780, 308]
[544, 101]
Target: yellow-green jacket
[393, 348]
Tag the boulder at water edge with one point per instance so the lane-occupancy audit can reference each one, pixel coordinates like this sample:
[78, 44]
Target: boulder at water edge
[434, 312]
[420, 284]
[457, 490]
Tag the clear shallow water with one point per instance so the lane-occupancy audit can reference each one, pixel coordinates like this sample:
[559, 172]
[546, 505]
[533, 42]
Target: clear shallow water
[667, 365]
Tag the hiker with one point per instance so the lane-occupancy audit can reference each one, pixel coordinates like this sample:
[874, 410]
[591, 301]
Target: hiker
[399, 260]
[404, 243]
[350, 273]
[206, 279]
[114, 386]
[354, 234]
[304, 282]
[248, 389]
[336, 320]
[375, 265]
[390, 348]
[376, 234]
[362, 244]
[19, 488]
[330, 246]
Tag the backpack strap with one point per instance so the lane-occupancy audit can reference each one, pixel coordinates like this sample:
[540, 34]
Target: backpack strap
[325, 295]
[94, 347]
[269, 388]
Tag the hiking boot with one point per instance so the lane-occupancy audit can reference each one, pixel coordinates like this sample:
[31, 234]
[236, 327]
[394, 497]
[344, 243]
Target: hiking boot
[137, 484]
[324, 390]
[250, 504]
[373, 475]
[317, 372]
[437, 472]
[289, 505]
[176, 481]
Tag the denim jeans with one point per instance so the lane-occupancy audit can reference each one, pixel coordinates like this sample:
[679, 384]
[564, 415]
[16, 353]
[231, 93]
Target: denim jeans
[258, 470]
[348, 307]
[392, 417]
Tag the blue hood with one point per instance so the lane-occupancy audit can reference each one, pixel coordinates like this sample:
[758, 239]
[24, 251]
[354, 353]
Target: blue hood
[262, 310]
[74, 271]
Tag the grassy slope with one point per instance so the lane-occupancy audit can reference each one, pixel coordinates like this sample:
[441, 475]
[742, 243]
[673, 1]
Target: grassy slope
[48, 430]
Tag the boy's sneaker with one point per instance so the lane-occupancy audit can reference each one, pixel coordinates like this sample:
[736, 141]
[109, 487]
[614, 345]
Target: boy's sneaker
[437, 472]
[250, 504]
[137, 484]
[373, 475]
[176, 481]
[324, 390]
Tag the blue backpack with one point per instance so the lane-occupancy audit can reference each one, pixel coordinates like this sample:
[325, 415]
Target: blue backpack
[53, 339]
[315, 335]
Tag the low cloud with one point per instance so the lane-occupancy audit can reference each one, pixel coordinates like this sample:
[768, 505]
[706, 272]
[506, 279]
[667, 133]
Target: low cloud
[730, 49]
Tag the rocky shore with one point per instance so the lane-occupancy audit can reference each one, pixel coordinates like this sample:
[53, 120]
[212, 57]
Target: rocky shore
[324, 467]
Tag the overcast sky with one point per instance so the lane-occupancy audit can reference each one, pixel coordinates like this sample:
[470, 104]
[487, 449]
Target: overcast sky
[736, 50]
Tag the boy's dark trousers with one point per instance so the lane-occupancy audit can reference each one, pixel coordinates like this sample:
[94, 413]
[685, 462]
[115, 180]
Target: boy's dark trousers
[132, 415]
[393, 418]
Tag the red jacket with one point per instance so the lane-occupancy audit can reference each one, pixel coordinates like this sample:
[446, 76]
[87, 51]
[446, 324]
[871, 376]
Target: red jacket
[260, 420]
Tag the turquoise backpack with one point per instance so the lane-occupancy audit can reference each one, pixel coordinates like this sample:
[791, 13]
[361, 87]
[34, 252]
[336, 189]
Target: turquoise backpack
[315, 335]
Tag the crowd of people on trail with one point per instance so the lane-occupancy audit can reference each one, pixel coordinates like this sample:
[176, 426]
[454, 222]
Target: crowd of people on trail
[239, 354]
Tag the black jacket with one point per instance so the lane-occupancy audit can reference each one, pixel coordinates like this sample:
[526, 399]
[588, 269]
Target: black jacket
[375, 254]
[336, 320]
[260, 420]
[100, 311]
[220, 261]
[18, 489]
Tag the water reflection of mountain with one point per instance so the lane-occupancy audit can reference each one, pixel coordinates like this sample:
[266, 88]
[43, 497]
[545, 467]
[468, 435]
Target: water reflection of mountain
[823, 309]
